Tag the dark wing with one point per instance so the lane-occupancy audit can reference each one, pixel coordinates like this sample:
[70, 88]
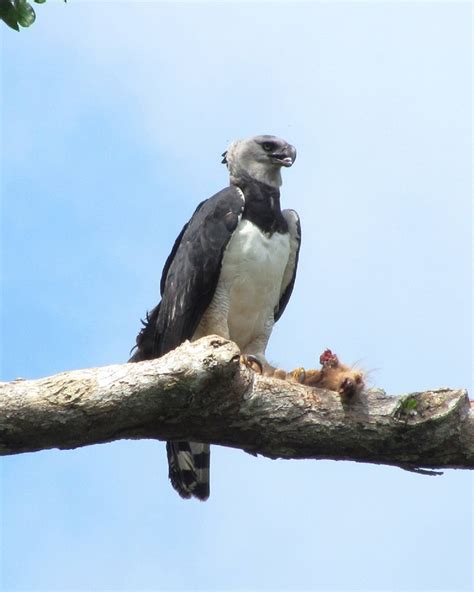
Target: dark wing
[190, 275]
[289, 276]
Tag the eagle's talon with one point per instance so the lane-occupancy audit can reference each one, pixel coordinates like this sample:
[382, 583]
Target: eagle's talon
[298, 374]
[252, 362]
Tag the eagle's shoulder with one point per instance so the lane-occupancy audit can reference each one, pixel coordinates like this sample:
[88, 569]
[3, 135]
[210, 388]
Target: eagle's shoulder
[225, 207]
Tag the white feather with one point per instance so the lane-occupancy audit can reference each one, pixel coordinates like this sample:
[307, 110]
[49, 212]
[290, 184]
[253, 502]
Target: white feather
[249, 288]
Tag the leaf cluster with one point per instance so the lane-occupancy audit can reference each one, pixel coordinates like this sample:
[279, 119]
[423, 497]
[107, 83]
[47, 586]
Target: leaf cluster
[18, 13]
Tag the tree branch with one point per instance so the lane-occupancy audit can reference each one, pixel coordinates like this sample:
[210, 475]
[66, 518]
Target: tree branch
[201, 392]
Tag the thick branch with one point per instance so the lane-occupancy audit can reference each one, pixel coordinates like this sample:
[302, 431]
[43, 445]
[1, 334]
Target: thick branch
[201, 392]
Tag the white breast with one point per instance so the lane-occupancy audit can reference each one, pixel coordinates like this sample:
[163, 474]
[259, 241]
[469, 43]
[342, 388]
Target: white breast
[249, 287]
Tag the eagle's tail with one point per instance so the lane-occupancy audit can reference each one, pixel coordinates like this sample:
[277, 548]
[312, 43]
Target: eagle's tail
[189, 464]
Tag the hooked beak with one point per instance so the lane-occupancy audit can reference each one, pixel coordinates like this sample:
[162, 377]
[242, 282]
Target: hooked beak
[286, 157]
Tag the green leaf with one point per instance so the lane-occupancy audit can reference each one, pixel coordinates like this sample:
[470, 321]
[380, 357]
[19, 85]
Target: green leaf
[10, 21]
[410, 404]
[8, 14]
[40, 1]
[26, 14]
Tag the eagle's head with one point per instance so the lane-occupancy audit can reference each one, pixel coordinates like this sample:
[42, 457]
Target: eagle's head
[259, 158]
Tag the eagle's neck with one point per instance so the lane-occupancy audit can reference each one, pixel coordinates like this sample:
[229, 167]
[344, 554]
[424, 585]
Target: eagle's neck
[251, 169]
[262, 206]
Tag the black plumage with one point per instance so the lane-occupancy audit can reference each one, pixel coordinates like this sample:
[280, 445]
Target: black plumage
[190, 275]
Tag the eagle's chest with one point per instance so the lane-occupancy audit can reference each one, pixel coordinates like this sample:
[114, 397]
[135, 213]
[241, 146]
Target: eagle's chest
[249, 285]
[254, 263]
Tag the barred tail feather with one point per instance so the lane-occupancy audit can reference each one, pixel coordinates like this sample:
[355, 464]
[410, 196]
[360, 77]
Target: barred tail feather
[189, 464]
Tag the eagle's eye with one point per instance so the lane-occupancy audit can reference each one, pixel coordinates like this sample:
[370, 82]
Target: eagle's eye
[268, 146]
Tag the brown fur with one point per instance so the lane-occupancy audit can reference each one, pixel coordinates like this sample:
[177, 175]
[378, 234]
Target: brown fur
[333, 375]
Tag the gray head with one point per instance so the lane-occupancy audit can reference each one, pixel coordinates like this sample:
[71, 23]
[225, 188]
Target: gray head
[260, 158]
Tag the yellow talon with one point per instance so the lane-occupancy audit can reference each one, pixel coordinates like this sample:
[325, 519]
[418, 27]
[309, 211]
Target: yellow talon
[252, 362]
[298, 374]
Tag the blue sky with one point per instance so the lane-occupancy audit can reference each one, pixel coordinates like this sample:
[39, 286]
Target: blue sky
[114, 116]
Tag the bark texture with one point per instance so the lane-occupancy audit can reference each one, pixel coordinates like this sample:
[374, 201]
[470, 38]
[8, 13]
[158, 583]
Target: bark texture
[201, 392]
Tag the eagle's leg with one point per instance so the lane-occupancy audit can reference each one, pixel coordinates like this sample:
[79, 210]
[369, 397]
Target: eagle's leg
[253, 362]
[260, 365]
[253, 353]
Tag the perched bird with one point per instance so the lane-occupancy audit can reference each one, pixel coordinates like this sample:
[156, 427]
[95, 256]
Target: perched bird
[230, 272]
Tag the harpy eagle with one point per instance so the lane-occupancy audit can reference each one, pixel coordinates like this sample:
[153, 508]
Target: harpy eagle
[230, 273]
